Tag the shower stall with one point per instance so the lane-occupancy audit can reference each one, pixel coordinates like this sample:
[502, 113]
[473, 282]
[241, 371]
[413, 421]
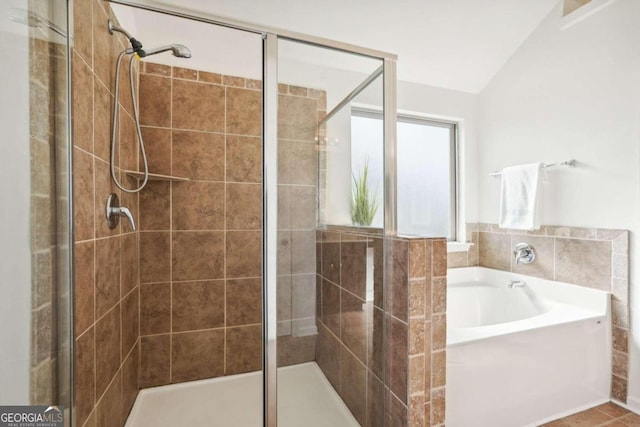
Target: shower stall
[231, 233]
[260, 279]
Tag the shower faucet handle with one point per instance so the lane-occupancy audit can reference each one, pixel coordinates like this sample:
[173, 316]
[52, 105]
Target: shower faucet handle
[524, 253]
[114, 211]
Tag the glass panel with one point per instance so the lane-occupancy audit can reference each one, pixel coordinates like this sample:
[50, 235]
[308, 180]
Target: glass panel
[351, 149]
[330, 318]
[367, 135]
[181, 293]
[35, 319]
[426, 180]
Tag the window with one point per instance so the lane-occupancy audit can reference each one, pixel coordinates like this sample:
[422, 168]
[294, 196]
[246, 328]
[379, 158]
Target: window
[427, 159]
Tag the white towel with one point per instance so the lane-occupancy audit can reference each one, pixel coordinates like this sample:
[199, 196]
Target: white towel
[520, 197]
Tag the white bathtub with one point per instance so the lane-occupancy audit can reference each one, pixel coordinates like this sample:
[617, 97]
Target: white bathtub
[523, 356]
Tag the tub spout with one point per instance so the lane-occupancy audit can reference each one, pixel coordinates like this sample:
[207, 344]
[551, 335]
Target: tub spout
[517, 284]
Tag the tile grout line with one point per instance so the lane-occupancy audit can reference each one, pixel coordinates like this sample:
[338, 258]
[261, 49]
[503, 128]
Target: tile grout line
[141, 66]
[119, 107]
[406, 301]
[426, 389]
[429, 385]
[93, 225]
[219, 328]
[224, 253]
[171, 219]
[555, 243]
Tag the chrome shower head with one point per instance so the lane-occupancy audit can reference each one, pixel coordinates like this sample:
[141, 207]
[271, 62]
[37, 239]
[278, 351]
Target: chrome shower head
[178, 50]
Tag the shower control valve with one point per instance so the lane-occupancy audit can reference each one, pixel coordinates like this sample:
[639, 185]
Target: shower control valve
[114, 211]
[524, 253]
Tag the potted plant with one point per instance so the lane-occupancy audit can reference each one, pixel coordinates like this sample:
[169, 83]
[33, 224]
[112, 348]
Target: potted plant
[364, 202]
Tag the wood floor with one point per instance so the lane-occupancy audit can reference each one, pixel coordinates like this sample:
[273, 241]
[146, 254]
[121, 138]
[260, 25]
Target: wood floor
[607, 414]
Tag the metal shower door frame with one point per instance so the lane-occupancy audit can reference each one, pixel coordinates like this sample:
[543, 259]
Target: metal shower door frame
[270, 229]
[270, 38]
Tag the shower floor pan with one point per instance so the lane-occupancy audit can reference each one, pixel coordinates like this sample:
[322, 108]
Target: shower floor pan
[305, 398]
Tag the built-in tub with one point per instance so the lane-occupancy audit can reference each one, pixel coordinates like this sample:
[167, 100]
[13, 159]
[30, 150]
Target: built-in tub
[523, 356]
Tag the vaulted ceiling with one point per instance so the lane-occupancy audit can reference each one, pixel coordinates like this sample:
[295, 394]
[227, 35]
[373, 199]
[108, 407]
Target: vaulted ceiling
[454, 44]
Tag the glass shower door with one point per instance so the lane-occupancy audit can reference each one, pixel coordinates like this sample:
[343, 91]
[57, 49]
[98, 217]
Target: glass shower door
[35, 308]
[191, 310]
[330, 240]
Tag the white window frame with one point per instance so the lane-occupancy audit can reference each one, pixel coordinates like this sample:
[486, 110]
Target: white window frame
[454, 160]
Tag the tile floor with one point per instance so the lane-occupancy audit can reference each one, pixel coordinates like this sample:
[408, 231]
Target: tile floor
[607, 414]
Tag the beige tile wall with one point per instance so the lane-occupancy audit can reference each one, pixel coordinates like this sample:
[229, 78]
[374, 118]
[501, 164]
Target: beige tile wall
[466, 258]
[593, 257]
[383, 354]
[349, 348]
[106, 261]
[299, 109]
[201, 240]
[427, 331]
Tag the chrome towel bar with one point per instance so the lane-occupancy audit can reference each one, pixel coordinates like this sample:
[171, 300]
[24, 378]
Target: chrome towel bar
[570, 163]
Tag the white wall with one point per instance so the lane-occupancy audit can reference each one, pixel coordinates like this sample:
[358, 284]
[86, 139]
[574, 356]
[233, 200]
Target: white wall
[573, 94]
[15, 254]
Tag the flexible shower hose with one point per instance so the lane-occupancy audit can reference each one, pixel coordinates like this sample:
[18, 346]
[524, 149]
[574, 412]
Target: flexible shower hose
[136, 119]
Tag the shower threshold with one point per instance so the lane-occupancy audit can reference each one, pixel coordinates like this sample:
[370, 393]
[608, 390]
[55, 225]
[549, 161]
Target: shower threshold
[305, 398]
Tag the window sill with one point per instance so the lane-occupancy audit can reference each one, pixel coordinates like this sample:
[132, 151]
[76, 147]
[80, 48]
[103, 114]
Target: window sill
[458, 246]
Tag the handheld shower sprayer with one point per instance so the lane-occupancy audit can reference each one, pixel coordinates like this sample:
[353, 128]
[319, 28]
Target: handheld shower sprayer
[179, 51]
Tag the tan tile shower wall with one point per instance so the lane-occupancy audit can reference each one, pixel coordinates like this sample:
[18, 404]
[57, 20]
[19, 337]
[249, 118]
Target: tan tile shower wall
[387, 354]
[105, 261]
[350, 342]
[201, 240]
[592, 257]
[299, 110]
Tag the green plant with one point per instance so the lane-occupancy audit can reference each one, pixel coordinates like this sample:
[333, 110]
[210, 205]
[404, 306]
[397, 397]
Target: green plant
[364, 203]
